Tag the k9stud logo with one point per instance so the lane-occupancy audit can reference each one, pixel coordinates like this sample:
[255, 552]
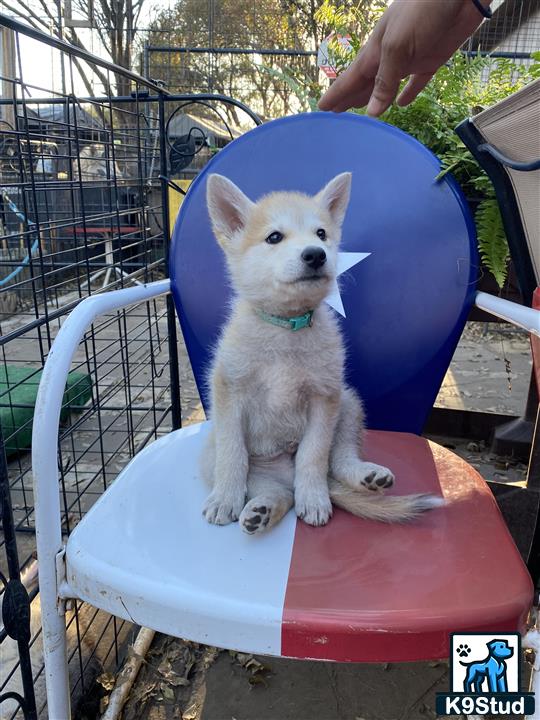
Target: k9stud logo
[485, 676]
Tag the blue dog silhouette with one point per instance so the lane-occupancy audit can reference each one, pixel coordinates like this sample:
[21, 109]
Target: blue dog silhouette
[492, 669]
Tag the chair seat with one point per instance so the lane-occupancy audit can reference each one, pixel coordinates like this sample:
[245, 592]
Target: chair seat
[354, 590]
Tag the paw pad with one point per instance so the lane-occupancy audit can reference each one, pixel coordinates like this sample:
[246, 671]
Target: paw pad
[255, 519]
[463, 650]
[378, 482]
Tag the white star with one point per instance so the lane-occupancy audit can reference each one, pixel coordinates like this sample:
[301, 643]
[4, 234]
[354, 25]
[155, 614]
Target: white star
[346, 260]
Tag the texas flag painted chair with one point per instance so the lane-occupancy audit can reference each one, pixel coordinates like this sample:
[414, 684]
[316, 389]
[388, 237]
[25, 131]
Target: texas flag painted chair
[354, 590]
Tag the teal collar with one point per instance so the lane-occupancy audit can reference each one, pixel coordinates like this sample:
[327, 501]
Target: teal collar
[298, 322]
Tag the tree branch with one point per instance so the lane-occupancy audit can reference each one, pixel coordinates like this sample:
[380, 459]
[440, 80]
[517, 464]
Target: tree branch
[27, 12]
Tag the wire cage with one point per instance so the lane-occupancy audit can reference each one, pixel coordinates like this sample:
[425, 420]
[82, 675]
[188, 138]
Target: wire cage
[81, 210]
[514, 29]
[88, 190]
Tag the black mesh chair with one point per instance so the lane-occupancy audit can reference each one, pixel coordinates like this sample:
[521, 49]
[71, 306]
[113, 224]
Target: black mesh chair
[505, 140]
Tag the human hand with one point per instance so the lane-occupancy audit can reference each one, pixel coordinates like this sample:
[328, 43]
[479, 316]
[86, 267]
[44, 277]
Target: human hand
[412, 39]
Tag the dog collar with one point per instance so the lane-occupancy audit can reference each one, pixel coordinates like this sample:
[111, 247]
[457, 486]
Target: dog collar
[298, 322]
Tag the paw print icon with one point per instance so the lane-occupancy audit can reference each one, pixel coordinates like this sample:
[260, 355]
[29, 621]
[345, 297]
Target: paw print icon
[463, 650]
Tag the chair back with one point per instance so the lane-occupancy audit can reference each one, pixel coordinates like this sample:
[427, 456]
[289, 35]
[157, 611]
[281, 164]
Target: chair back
[505, 139]
[405, 305]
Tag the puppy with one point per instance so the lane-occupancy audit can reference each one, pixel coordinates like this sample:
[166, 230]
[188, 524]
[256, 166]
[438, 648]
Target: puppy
[286, 430]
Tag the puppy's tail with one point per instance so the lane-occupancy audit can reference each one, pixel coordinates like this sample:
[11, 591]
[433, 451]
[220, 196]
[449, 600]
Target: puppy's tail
[375, 506]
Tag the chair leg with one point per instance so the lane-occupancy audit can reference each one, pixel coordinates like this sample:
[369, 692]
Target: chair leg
[535, 688]
[53, 624]
[532, 640]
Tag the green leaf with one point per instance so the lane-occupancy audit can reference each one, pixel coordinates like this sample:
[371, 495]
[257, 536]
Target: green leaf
[492, 242]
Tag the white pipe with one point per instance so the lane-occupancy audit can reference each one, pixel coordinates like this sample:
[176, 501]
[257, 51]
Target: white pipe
[126, 678]
[520, 315]
[45, 476]
[532, 640]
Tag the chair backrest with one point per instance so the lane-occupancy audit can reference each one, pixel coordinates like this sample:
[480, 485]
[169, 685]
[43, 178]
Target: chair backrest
[405, 305]
[505, 139]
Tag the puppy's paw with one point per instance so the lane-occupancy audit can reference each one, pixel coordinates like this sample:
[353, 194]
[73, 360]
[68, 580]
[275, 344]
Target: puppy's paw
[223, 509]
[371, 476]
[313, 508]
[255, 517]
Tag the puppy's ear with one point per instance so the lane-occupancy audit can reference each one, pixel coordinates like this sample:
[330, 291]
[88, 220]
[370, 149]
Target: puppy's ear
[228, 207]
[335, 196]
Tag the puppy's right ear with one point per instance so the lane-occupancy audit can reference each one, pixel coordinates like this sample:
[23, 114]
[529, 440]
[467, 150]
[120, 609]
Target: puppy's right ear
[228, 208]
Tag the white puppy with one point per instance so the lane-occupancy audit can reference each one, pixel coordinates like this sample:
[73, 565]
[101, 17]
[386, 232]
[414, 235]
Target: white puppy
[286, 430]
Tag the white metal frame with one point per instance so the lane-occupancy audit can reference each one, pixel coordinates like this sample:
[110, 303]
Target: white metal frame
[519, 315]
[53, 586]
[45, 478]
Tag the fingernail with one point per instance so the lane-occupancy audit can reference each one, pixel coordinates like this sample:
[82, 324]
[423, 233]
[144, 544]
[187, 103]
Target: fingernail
[375, 107]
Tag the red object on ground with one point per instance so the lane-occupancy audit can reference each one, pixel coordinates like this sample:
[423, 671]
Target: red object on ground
[362, 591]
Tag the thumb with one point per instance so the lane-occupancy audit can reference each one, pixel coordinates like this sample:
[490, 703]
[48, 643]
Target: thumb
[386, 84]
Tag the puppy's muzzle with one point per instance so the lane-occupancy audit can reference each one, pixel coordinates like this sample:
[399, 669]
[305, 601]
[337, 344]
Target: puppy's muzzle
[314, 257]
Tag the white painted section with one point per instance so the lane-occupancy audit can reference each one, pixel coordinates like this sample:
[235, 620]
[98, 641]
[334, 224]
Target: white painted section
[144, 552]
[520, 315]
[45, 476]
[346, 260]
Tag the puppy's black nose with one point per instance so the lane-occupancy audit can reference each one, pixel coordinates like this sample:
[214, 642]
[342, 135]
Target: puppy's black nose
[314, 257]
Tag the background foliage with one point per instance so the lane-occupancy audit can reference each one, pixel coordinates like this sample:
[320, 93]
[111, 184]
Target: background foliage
[461, 88]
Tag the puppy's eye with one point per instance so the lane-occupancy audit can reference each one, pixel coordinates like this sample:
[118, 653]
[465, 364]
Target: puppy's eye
[274, 238]
[321, 234]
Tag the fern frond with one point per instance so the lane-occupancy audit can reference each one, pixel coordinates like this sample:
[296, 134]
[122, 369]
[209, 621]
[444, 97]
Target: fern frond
[492, 242]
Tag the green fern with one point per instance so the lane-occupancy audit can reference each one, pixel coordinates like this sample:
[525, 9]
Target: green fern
[492, 241]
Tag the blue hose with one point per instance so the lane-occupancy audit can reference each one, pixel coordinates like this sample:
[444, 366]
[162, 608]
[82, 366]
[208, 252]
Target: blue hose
[14, 209]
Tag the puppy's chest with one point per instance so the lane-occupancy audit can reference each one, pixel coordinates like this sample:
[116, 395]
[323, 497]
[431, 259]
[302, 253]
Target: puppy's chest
[284, 381]
[276, 403]
[280, 385]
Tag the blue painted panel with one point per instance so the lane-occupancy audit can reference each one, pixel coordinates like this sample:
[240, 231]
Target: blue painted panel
[406, 304]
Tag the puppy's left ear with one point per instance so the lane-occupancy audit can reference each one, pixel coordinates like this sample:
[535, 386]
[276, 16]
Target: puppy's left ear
[335, 196]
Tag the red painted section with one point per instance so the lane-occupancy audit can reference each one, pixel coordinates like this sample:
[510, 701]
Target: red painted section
[535, 342]
[362, 591]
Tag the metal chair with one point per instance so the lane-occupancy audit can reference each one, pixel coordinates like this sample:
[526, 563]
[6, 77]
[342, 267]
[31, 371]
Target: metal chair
[353, 590]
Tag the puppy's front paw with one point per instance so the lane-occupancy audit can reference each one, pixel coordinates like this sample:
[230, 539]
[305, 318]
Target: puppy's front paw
[223, 509]
[255, 517]
[313, 508]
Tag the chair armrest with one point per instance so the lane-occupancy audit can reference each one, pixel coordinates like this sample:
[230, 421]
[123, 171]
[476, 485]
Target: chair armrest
[519, 315]
[47, 416]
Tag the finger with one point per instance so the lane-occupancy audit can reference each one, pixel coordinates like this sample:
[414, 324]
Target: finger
[415, 84]
[354, 86]
[386, 84]
[353, 100]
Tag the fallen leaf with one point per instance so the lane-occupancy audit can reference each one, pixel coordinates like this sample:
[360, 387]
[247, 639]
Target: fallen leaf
[106, 680]
[177, 680]
[167, 692]
[103, 704]
[257, 680]
[191, 713]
